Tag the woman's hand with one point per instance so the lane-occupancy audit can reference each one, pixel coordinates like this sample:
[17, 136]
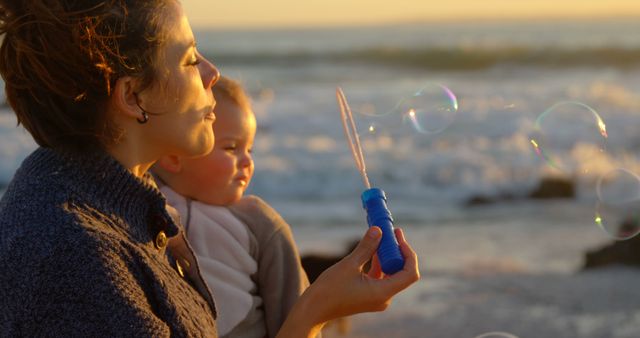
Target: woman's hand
[344, 289]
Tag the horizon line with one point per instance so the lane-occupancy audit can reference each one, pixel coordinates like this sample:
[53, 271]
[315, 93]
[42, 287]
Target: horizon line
[421, 21]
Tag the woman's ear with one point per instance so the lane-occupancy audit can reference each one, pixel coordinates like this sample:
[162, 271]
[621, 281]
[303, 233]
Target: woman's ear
[170, 163]
[123, 97]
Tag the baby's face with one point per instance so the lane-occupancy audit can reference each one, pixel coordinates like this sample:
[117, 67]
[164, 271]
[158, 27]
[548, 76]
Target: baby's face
[222, 176]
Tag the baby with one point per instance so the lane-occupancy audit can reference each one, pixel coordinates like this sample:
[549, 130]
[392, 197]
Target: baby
[254, 269]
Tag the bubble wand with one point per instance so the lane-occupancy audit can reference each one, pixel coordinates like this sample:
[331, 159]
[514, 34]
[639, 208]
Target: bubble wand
[374, 200]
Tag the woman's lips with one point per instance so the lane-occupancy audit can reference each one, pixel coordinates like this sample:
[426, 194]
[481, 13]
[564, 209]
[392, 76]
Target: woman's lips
[210, 116]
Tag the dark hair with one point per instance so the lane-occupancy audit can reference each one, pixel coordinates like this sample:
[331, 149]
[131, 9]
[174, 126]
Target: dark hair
[232, 90]
[61, 58]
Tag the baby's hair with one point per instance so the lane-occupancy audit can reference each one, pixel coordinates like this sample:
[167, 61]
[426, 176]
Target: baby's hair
[232, 90]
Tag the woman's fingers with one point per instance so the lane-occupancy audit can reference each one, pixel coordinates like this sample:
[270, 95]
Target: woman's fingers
[410, 273]
[367, 246]
[376, 270]
[341, 290]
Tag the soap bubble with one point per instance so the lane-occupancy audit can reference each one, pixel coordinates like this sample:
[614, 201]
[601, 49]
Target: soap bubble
[429, 110]
[569, 136]
[618, 207]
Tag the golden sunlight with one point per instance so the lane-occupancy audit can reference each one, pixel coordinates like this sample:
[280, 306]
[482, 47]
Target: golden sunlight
[288, 13]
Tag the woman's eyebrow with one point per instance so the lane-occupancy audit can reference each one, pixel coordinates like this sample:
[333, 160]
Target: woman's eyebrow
[190, 45]
[193, 44]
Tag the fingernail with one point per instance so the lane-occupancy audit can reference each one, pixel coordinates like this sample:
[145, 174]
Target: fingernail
[374, 232]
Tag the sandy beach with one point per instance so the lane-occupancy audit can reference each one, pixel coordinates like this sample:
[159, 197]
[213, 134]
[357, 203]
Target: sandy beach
[513, 268]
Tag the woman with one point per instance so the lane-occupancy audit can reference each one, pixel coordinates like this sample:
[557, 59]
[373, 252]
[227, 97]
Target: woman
[86, 244]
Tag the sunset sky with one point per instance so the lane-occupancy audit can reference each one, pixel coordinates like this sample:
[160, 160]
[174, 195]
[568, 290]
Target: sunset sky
[288, 13]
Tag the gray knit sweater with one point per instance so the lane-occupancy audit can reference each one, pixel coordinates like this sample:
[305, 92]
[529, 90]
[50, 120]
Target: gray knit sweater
[78, 255]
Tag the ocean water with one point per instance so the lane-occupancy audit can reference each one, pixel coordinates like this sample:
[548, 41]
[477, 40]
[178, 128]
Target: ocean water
[504, 77]
[511, 266]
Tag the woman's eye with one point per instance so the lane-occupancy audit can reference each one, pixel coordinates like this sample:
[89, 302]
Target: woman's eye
[194, 61]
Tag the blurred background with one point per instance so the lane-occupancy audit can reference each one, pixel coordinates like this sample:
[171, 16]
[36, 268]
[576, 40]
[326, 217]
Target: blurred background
[521, 155]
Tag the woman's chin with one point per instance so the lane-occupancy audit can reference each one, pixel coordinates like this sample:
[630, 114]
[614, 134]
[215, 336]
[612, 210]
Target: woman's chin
[204, 146]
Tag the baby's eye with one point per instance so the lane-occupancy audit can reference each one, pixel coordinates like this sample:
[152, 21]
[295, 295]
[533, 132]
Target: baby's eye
[230, 148]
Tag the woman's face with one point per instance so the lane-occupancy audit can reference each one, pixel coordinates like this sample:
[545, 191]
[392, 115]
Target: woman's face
[180, 102]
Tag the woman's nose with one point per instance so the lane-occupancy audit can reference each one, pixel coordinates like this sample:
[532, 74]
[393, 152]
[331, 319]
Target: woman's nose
[209, 73]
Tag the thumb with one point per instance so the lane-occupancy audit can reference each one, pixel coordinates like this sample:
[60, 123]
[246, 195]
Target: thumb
[367, 246]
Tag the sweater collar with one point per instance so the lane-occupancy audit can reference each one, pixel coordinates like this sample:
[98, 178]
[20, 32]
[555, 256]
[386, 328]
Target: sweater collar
[99, 179]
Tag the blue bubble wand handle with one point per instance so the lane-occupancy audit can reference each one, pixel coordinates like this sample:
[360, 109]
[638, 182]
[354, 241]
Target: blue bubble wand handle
[374, 200]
